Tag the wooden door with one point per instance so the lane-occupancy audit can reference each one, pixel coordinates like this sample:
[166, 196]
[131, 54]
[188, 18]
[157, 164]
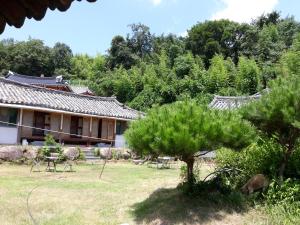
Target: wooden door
[42, 121]
[108, 129]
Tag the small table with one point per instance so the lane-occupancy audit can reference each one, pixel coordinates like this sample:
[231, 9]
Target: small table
[51, 159]
[164, 161]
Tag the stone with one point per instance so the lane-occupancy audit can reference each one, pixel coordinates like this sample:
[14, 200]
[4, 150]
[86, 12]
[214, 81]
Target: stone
[71, 153]
[11, 153]
[105, 153]
[30, 152]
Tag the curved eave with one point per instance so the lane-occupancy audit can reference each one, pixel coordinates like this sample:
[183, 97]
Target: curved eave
[14, 12]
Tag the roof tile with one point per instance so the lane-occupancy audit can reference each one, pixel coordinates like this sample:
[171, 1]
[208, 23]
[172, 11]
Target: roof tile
[16, 93]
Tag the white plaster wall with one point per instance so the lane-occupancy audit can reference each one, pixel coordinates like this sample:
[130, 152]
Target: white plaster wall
[120, 141]
[8, 135]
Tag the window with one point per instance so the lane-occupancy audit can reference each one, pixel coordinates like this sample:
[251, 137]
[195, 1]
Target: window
[41, 121]
[76, 126]
[121, 127]
[8, 115]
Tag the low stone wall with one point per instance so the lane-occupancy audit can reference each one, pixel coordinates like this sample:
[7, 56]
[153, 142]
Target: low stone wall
[17, 152]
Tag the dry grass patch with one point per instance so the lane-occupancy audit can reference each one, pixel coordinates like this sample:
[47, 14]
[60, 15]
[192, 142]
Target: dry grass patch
[126, 194]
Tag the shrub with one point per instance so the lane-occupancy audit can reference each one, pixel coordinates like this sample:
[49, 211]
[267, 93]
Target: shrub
[96, 152]
[283, 202]
[261, 157]
[51, 146]
[81, 154]
[287, 191]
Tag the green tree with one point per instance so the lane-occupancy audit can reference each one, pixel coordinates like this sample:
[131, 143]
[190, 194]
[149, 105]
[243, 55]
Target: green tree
[141, 40]
[82, 66]
[183, 64]
[248, 76]
[277, 114]
[61, 55]
[290, 61]
[31, 57]
[98, 66]
[183, 129]
[269, 45]
[268, 19]
[120, 54]
[214, 37]
[218, 75]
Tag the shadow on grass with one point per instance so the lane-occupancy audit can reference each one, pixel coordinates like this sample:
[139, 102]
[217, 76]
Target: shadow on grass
[172, 206]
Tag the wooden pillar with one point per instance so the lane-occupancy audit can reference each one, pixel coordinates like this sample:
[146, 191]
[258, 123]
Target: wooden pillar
[20, 123]
[115, 131]
[61, 127]
[90, 131]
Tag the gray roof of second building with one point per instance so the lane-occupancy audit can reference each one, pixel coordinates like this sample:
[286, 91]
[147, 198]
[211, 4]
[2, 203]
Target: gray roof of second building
[25, 79]
[14, 93]
[80, 89]
[232, 102]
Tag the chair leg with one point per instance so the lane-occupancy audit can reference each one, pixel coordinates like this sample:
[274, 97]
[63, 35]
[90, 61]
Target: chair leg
[31, 168]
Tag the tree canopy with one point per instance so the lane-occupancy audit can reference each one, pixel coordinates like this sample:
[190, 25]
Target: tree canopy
[143, 69]
[183, 129]
[277, 113]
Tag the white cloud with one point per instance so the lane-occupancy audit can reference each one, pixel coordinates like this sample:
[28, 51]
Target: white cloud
[156, 2]
[244, 10]
[183, 34]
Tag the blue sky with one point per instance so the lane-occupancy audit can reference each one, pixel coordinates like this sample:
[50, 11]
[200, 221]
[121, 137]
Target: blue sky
[89, 27]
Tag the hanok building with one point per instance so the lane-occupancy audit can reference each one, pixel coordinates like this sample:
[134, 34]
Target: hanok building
[29, 112]
[232, 102]
[53, 83]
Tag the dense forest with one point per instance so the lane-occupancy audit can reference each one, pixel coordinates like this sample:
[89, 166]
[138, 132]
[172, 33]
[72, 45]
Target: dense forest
[217, 57]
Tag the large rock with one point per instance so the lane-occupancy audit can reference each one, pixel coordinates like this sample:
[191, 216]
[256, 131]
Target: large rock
[71, 153]
[30, 152]
[11, 153]
[125, 153]
[121, 153]
[106, 153]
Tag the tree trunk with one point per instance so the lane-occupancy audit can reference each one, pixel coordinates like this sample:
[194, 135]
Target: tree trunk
[284, 162]
[190, 167]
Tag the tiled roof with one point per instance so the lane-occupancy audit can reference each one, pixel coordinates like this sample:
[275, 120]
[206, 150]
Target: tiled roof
[24, 79]
[14, 12]
[14, 93]
[230, 102]
[80, 89]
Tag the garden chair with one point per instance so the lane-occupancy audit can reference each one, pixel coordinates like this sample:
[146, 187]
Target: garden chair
[71, 155]
[52, 159]
[35, 160]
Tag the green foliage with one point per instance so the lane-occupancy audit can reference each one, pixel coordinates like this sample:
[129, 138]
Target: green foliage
[120, 54]
[82, 66]
[97, 152]
[81, 154]
[284, 192]
[51, 146]
[186, 128]
[141, 40]
[290, 61]
[248, 76]
[182, 129]
[218, 75]
[283, 201]
[277, 114]
[61, 57]
[263, 157]
[143, 70]
[213, 37]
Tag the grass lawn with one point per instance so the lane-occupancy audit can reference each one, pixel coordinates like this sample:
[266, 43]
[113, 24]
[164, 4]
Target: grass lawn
[126, 193]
